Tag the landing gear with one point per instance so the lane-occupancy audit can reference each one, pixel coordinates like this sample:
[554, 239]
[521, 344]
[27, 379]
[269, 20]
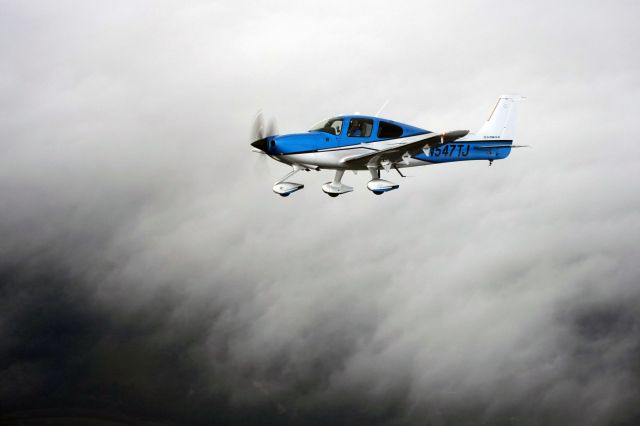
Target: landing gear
[379, 186]
[336, 187]
[283, 188]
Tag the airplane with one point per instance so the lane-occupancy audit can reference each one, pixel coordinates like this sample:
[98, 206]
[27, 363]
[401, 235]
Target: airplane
[360, 142]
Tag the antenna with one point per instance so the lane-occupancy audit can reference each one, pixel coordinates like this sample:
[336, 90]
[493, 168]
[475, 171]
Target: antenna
[382, 107]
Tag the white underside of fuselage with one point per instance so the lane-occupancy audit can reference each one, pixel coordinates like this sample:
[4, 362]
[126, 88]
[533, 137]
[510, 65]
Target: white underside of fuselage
[331, 158]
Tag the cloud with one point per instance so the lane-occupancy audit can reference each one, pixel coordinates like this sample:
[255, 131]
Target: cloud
[149, 274]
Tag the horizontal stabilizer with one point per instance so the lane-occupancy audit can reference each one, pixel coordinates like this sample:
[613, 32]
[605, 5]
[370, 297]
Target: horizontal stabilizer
[501, 146]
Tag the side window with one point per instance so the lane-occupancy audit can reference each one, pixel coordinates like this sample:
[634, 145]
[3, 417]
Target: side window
[360, 128]
[336, 125]
[388, 130]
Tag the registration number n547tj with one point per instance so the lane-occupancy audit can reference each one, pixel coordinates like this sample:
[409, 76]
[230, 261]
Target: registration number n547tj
[451, 150]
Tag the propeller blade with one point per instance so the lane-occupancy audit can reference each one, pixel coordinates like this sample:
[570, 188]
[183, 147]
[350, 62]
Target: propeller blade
[260, 132]
[272, 128]
[259, 159]
[257, 131]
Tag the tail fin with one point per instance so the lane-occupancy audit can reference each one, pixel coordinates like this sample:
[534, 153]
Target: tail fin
[502, 122]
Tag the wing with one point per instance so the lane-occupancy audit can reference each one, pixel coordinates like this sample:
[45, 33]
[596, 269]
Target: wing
[398, 152]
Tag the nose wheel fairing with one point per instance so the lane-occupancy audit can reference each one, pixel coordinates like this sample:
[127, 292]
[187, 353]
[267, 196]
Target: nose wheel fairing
[283, 188]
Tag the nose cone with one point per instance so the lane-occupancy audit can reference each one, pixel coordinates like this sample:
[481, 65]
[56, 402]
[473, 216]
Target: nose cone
[261, 144]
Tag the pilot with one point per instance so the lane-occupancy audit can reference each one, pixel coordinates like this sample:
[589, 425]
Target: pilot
[356, 128]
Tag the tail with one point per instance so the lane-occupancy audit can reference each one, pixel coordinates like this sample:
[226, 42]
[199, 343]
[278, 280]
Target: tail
[502, 121]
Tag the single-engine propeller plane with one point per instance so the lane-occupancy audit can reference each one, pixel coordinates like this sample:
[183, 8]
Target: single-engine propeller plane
[358, 142]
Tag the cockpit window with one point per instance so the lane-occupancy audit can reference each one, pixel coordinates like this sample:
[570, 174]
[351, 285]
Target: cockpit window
[332, 126]
[360, 127]
[389, 130]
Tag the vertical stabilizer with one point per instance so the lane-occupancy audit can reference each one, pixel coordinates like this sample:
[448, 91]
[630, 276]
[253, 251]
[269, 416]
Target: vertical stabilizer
[502, 121]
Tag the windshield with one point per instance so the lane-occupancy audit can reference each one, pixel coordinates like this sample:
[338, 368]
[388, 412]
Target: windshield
[332, 126]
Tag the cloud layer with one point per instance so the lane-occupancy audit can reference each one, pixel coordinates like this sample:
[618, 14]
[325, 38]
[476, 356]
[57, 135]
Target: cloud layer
[149, 274]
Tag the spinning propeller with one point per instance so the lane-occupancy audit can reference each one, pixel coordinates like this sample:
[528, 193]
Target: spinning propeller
[261, 132]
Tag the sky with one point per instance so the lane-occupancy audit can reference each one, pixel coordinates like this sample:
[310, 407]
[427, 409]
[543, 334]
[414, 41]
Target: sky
[149, 275]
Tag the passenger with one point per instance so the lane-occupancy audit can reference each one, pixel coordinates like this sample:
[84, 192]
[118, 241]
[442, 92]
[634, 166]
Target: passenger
[356, 128]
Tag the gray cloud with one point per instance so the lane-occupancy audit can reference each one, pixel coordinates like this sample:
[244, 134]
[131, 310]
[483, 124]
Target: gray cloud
[149, 274]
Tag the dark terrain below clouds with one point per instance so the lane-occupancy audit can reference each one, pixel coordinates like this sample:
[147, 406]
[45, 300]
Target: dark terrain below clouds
[148, 275]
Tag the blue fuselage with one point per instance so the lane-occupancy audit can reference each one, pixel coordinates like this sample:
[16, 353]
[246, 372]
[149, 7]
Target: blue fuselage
[325, 147]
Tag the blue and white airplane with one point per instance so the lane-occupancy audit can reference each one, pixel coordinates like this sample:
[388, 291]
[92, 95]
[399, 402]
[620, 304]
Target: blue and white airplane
[358, 142]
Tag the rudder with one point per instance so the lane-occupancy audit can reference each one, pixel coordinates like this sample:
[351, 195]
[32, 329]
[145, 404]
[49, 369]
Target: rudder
[502, 121]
